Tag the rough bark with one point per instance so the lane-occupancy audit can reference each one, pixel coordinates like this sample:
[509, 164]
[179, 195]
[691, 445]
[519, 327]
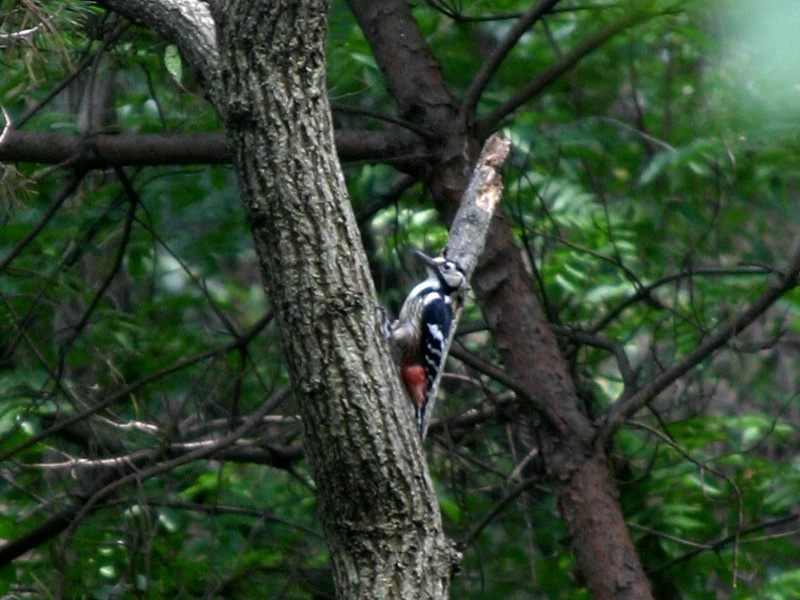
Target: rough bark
[376, 501]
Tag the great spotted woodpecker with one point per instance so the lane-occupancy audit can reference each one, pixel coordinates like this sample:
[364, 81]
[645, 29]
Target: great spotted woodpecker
[421, 331]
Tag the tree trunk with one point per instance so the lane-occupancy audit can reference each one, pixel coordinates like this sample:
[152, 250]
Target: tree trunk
[379, 511]
[577, 469]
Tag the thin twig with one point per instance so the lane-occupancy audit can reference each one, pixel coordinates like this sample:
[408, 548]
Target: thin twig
[487, 368]
[624, 406]
[139, 476]
[589, 339]
[499, 53]
[65, 193]
[590, 43]
[357, 110]
[109, 278]
[132, 387]
[721, 543]
[496, 509]
[644, 293]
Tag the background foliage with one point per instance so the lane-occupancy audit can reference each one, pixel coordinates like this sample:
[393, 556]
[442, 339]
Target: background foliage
[653, 190]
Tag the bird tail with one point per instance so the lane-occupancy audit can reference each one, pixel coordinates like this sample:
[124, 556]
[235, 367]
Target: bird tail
[420, 410]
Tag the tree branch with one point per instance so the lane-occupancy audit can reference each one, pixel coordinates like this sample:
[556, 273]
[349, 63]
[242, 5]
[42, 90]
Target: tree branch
[65, 193]
[733, 538]
[645, 292]
[68, 517]
[412, 74]
[509, 497]
[481, 79]
[471, 224]
[624, 407]
[188, 23]
[588, 339]
[132, 387]
[85, 152]
[469, 230]
[631, 18]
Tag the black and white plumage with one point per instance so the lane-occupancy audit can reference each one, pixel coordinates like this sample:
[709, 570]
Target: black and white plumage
[420, 333]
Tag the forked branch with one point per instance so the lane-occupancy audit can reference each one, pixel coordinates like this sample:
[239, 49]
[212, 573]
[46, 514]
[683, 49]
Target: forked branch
[626, 406]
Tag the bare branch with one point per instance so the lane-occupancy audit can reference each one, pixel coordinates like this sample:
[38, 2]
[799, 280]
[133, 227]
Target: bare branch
[136, 385]
[626, 406]
[127, 227]
[69, 516]
[488, 369]
[103, 150]
[86, 152]
[645, 293]
[71, 186]
[158, 469]
[588, 339]
[471, 223]
[536, 12]
[497, 509]
[590, 43]
[721, 543]
[246, 451]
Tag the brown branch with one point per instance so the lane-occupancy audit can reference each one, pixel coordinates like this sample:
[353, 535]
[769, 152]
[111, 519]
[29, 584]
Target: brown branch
[413, 75]
[357, 110]
[489, 369]
[624, 407]
[102, 150]
[588, 339]
[476, 415]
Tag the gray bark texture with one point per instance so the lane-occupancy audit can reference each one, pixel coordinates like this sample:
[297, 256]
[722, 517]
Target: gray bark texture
[376, 501]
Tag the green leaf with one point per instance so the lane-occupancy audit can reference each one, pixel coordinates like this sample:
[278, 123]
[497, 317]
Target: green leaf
[173, 62]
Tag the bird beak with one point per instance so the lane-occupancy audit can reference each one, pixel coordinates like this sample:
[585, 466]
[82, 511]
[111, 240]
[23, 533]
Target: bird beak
[424, 258]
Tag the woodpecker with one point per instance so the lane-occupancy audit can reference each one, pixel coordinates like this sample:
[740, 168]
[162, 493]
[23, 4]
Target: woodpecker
[417, 338]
